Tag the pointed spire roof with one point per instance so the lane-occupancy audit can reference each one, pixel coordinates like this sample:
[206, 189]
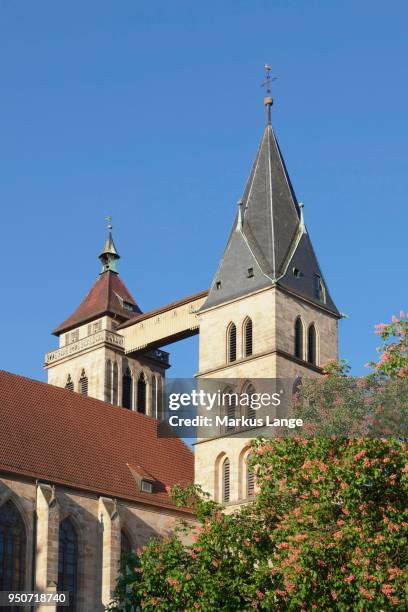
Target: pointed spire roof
[269, 243]
[108, 295]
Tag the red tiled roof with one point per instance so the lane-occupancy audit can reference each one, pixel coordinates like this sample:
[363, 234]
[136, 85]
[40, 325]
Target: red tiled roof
[102, 299]
[62, 437]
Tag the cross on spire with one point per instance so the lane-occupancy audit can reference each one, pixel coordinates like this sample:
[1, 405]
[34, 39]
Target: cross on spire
[268, 101]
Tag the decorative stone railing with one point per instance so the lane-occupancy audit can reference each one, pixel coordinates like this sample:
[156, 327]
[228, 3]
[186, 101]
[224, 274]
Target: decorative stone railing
[104, 336]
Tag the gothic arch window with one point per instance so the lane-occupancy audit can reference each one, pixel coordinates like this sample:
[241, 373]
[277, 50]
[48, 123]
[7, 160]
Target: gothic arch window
[250, 391]
[299, 338]
[250, 477]
[108, 381]
[115, 384]
[68, 563]
[231, 343]
[12, 548]
[127, 394]
[160, 410]
[231, 406]
[248, 337]
[69, 385]
[154, 397]
[141, 394]
[83, 383]
[226, 473]
[312, 344]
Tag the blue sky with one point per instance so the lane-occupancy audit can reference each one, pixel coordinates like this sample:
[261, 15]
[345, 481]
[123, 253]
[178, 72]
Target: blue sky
[152, 111]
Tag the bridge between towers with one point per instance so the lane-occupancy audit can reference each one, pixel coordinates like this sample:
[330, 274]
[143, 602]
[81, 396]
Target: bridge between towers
[164, 325]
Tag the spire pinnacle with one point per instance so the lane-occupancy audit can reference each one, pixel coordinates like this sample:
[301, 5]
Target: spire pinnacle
[109, 255]
[268, 100]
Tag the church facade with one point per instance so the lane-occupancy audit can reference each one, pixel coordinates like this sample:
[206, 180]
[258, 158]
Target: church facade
[94, 478]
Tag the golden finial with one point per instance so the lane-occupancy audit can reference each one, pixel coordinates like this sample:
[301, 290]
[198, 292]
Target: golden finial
[109, 220]
[268, 101]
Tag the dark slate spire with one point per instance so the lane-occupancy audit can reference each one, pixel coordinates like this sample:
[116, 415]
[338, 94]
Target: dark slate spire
[269, 243]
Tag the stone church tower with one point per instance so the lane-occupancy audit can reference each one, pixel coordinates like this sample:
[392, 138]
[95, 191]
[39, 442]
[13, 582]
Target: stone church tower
[269, 313]
[91, 358]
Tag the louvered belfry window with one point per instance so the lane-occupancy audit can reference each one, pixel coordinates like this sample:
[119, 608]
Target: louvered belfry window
[69, 385]
[83, 383]
[251, 412]
[299, 338]
[232, 342]
[311, 345]
[250, 477]
[231, 407]
[226, 480]
[248, 341]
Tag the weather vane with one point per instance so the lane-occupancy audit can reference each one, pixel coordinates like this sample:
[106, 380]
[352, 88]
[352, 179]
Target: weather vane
[268, 101]
[109, 220]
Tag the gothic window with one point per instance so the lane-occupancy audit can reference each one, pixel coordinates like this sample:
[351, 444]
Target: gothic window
[125, 545]
[154, 397]
[251, 412]
[230, 407]
[311, 345]
[115, 385]
[69, 385]
[141, 394]
[296, 385]
[250, 477]
[127, 389]
[247, 337]
[108, 381]
[12, 548]
[232, 342]
[299, 338]
[226, 480]
[83, 383]
[68, 563]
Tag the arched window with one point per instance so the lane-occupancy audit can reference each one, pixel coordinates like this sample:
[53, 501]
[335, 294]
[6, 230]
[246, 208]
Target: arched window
[115, 385]
[153, 402]
[232, 342]
[127, 389]
[69, 385]
[226, 480]
[108, 381]
[68, 562]
[311, 345]
[251, 412]
[231, 405]
[12, 548]
[141, 394]
[83, 383]
[160, 409]
[299, 338]
[248, 342]
[250, 477]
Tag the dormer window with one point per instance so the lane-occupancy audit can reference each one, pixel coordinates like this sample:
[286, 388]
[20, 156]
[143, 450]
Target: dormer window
[218, 285]
[320, 290]
[297, 273]
[128, 306]
[146, 486]
[250, 273]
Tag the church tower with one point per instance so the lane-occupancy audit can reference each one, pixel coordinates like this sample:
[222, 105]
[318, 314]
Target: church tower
[91, 356]
[269, 313]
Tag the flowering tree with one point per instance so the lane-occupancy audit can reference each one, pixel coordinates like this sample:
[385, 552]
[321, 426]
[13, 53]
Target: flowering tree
[327, 530]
